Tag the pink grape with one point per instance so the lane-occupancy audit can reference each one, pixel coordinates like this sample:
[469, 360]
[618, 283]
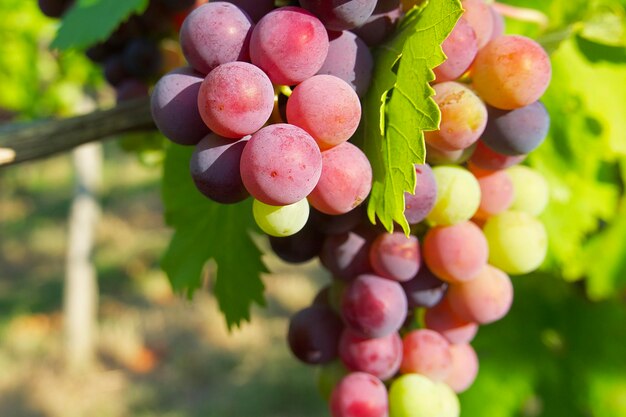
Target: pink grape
[463, 117]
[326, 107]
[236, 99]
[350, 59]
[486, 158]
[460, 48]
[289, 44]
[426, 352]
[421, 202]
[496, 192]
[380, 356]
[280, 165]
[213, 34]
[464, 367]
[478, 15]
[442, 319]
[456, 253]
[345, 182]
[395, 256]
[359, 394]
[511, 72]
[485, 299]
[373, 306]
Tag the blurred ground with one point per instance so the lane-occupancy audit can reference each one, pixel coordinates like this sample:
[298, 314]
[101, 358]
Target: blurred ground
[158, 354]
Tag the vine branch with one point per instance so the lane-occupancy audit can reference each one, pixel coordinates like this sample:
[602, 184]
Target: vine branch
[21, 142]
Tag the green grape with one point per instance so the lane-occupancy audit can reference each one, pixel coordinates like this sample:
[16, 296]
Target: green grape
[517, 242]
[450, 406]
[458, 196]
[530, 189]
[281, 221]
[414, 395]
[328, 376]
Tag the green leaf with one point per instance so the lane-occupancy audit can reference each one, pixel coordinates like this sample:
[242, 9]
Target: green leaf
[206, 230]
[92, 21]
[398, 107]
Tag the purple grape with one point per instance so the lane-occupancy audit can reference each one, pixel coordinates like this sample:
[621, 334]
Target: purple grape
[177, 5]
[395, 256]
[516, 132]
[281, 164]
[337, 224]
[425, 289]
[130, 89]
[256, 9]
[214, 168]
[142, 58]
[350, 59]
[378, 27]
[421, 202]
[314, 333]
[114, 70]
[383, 6]
[213, 34]
[174, 105]
[347, 255]
[289, 44]
[373, 306]
[340, 14]
[300, 247]
[54, 8]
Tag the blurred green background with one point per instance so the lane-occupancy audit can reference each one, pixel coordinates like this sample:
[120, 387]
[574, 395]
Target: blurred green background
[561, 351]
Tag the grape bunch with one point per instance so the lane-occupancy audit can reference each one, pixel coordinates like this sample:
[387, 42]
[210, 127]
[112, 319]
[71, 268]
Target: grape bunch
[270, 103]
[140, 49]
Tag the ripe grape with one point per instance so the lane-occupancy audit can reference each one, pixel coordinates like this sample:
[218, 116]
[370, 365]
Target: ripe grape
[516, 132]
[380, 356]
[425, 289]
[486, 158]
[289, 44]
[256, 9]
[530, 190]
[281, 220]
[517, 242]
[373, 306]
[281, 164]
[350, 59]
[214, 168]
[358, 395]
[478, 15]
[327, 108]
[421, 202]
[131, 88]
[442, 319]
[456, 253]
[337, 224]
[395, 256]
[378, 27]
[114, 71]
[426, 352]
[460, 48]
[463, 117]
[236, 99]
[345, 181]
[174, 105]
[142, 58]
[464, 367]
[314, 333]
[346, 255]
[340, 14]
[213, 34]
[436, 156]
[496, 192]
[485, 299]
[511, 72]
[299, 247]
[458, 196]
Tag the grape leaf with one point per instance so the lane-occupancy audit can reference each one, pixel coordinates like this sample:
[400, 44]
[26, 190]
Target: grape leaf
[399, 107]
[206, 230]
[91, 21]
